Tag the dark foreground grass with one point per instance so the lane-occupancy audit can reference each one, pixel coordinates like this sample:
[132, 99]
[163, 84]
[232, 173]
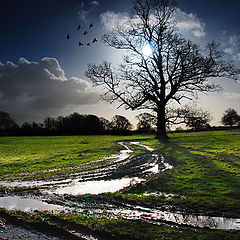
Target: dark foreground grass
[30, 157]
[62, 224]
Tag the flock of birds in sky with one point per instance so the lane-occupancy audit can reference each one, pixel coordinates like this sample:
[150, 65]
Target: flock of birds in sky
[85, 33]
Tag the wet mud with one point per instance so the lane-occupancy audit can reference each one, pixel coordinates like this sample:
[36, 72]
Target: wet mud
[121, 171]
[9, 231]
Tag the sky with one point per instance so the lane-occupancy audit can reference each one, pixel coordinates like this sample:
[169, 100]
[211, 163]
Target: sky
[42, 73]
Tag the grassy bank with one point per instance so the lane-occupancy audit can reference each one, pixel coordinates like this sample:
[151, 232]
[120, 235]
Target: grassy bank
[30, 157]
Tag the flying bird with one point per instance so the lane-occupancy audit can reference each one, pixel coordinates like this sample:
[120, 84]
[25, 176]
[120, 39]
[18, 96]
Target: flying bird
[85, 33]
[79, 26]
[80, 44]
[91, 25]
[88, 44]
[68, 36]
[94, 40]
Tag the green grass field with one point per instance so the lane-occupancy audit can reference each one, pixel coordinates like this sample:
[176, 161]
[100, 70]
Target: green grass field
[29, 157]
[205, 178]
[207, 172]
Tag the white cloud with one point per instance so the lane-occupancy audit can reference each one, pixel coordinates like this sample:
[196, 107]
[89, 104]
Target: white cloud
[110, 19]
[85, 11]
[232, 95]
[231, 45]
[234, 40]
[96, 3]
[188, 24]
[36, 89]
[83, 15]
[228, 50]
[236, 57]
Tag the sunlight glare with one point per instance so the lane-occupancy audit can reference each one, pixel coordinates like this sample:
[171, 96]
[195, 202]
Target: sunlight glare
[147, 50]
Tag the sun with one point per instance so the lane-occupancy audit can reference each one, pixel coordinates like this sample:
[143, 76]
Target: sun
[147, 50]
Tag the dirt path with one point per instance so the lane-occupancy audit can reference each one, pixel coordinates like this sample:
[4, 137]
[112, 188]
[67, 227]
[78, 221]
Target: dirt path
[122, 171]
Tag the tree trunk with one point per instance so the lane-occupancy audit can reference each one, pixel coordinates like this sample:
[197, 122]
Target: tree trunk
[161, 124]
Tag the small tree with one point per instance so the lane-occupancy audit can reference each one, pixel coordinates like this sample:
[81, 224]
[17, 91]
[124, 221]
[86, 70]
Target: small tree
[193, 117]
[120, 124]
[7, 123]
[197, 119]
[230, 117]
[146, 122]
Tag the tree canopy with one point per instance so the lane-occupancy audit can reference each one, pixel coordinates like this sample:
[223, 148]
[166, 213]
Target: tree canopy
[120, 124]
[230, 117]
[175, 69]
[146, 122]
[6, 122]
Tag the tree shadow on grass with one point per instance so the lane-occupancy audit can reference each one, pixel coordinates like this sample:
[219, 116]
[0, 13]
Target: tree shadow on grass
[198, 178]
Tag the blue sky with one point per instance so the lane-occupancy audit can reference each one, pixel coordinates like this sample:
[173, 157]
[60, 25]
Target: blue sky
[35, 32]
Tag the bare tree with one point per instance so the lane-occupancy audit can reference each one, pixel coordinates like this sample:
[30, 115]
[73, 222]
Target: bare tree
[189, 115]
[175, 69]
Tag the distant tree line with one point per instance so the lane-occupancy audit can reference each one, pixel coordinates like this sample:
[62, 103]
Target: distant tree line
[87, 124]
[73, 124]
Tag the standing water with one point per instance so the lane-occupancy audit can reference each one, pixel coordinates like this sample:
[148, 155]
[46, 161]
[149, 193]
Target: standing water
[93, 182]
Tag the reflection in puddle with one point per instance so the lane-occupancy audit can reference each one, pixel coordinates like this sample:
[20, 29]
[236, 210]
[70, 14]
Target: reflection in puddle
[123, 155]
[153, 169]
[97, 187]
[9, 231]
[160, 194]
[26, 204]
[92, 182]
[87, 182]
[185, 219]
[141, 145]
[33, 183]
[128, 212]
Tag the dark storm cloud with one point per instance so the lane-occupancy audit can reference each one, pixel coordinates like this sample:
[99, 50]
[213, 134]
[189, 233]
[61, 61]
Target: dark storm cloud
[36, 89]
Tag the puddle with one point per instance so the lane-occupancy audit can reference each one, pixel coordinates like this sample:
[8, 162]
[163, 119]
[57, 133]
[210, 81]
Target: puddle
[123, 155]
[121, 172]
[161, 194]
[166, 164]
[141, 145]
[97, 187]
[190, 220]
[27, 204]
[9, 231]
[108, 178]
[33, 183]
[156, 216]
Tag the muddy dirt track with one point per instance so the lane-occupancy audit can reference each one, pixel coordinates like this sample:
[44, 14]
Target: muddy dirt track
[119, 171]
